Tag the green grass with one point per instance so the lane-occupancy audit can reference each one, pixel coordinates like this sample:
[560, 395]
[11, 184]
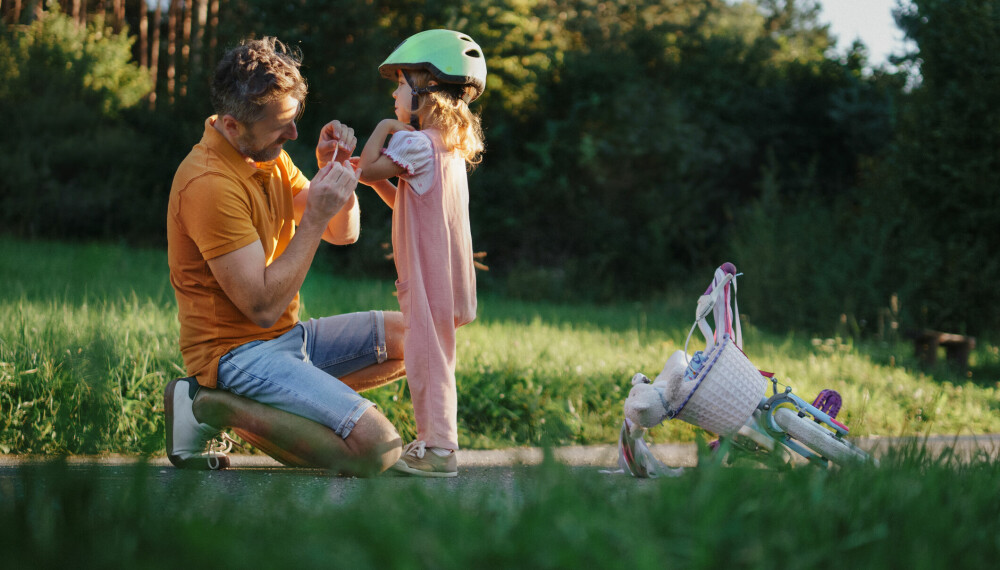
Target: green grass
[913, 512]
[88, 339]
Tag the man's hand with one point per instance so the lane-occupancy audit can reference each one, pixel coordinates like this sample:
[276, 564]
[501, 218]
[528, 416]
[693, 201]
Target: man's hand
[335, 140]
[329, 190]
[262, 292]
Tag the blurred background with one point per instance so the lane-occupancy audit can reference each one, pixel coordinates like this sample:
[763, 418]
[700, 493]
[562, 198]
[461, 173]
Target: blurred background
[632, 146]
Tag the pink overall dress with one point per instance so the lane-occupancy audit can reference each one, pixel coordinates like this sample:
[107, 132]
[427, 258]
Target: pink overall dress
[432, 247]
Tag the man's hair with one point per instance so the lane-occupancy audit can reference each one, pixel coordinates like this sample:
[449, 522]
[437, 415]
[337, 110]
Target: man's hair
[253, 74]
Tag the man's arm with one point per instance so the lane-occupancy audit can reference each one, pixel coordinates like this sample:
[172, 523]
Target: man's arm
[344, 227]
[336, 140]
[263, 292]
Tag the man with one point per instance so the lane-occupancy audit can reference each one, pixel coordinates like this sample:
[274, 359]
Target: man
[243, 225]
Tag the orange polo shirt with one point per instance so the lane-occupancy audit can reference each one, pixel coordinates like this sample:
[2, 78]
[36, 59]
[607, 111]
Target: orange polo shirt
[220, 203]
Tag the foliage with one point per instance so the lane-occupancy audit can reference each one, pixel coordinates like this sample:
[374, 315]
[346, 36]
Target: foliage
[630, 146]
[936, 192]
[814, 263]
[82, 361]
[649, 129]
[88, 340]
[624, 139]
[915, 511]
[55, 60]
[74, 165]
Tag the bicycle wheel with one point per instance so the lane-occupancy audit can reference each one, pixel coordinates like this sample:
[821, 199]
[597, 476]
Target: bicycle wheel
[817, 437]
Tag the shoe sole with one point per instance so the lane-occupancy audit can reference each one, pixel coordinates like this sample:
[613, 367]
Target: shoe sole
[197, 463]
[404, 468]
[168, 407]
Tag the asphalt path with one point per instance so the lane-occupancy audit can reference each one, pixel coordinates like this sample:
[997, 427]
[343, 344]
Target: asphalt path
[498, 470]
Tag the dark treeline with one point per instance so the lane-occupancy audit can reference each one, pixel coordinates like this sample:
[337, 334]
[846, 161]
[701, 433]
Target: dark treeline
[631, 145]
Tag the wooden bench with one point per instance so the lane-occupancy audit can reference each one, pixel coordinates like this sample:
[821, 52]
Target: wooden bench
[957, 347]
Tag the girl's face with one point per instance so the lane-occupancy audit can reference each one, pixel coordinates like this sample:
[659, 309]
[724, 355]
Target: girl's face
[403, 98]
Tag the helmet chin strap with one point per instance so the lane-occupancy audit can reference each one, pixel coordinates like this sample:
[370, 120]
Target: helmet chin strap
[415, 101]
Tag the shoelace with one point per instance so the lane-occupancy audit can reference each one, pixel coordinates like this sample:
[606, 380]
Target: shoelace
[219, 446]
[416, 449]
[222, 443]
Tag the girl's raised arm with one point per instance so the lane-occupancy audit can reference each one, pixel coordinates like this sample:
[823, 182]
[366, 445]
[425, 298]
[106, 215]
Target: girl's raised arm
[375, 165]
[376, 168]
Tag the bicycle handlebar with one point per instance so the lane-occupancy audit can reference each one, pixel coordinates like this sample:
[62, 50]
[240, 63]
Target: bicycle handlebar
[726, 267]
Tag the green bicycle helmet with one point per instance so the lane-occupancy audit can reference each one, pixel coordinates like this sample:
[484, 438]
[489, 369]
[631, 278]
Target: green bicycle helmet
[452, 58]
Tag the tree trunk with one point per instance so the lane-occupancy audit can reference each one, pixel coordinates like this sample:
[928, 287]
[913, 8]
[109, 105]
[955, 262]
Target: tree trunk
[15, 16]
[154, 53]
[198, 41]
[213, 37]
[171, 49]
[143, 34]
[185, 48]
[119, 14]
[8, 18]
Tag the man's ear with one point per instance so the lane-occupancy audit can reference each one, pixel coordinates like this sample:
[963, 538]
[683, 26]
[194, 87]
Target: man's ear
[231, 126]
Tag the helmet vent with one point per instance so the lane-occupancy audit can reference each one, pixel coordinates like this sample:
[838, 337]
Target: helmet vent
[473, 53]
[466, 38]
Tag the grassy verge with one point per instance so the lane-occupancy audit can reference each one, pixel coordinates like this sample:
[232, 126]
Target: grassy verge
[88, 339]
[912, 512]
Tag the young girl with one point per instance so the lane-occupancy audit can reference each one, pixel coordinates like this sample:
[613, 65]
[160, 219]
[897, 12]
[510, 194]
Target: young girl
[434, 139]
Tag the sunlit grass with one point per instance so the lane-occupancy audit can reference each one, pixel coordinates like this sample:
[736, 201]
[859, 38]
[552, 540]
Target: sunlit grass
[84, 378]
[88, 339]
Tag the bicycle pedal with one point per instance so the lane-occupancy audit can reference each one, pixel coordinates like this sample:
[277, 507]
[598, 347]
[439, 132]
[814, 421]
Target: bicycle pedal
[828, 402]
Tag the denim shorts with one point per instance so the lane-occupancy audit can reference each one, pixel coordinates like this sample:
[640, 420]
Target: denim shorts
[298, 371]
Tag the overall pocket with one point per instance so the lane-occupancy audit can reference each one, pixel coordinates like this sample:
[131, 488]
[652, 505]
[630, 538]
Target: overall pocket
[403, 296]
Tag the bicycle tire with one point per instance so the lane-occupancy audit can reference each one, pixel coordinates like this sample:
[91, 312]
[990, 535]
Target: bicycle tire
[817, 437]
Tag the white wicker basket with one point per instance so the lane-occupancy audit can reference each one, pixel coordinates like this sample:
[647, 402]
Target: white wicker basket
[726, 391]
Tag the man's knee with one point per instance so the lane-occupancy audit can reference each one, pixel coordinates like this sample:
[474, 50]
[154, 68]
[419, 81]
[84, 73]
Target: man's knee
[375, 441]
[216, 407]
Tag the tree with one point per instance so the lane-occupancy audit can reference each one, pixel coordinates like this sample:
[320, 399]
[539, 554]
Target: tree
[942, 200]
[65, 90]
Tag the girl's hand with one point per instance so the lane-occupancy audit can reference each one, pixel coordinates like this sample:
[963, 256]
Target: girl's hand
[335, 139]
[393, 126]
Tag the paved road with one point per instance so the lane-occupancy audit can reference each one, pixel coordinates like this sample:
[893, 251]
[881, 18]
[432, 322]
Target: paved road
[602, 456]
[500, 474]
[259, 478]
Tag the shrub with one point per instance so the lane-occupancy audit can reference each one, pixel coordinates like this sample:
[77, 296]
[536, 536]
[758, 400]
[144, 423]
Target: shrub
[72, 162]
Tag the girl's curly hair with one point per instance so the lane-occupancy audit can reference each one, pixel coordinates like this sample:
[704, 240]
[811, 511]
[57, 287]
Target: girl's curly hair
[255, 73]
[461, 129]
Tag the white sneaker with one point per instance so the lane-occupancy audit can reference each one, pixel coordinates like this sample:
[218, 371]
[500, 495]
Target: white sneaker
[187, 439]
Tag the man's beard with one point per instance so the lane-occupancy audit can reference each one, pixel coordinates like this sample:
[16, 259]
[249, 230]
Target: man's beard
[266, 154]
